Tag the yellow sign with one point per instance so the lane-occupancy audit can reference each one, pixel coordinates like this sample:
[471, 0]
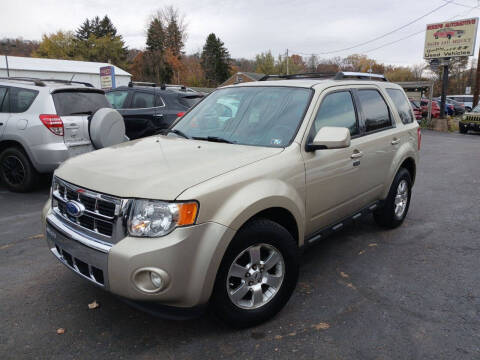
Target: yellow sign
[450, 38]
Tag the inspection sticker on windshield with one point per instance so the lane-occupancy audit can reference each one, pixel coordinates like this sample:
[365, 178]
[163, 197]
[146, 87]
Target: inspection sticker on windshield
[276, 142]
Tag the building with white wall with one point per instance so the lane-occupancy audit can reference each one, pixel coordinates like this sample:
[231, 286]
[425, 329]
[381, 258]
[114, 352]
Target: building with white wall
[84, 71]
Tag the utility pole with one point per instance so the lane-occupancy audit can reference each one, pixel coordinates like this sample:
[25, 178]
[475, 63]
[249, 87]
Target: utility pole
[287, 61]
[444, 89]
[477, 83]
[7, 44]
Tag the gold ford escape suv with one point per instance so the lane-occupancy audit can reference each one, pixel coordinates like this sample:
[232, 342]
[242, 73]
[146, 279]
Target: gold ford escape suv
[217, 209]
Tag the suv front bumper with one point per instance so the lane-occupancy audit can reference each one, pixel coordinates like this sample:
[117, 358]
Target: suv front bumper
[190, 257]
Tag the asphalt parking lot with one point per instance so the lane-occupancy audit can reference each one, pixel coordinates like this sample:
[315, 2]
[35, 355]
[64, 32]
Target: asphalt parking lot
[365, 293]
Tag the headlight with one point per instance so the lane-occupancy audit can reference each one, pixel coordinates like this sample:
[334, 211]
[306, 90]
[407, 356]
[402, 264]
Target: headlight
[151, 218]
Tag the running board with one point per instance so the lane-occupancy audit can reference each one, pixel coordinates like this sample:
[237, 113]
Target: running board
[325, 232]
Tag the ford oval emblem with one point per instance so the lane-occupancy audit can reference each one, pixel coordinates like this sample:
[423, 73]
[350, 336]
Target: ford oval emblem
[74, 209]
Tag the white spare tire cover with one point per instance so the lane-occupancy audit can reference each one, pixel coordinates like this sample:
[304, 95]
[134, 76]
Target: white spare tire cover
[107, 128]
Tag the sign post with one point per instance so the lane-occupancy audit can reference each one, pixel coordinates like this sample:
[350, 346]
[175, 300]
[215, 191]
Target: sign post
[449, 39]
[107, 77]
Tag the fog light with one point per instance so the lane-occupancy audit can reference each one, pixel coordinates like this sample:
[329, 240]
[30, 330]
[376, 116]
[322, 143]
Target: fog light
[156, 279]
[150, 280]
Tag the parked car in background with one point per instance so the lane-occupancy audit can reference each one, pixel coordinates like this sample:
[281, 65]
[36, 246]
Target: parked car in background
[435, 108]
[217, 212]
[452, 107]
[466, 100]
[470, 121]
[43, 123]
[417, 110]
[147, 108]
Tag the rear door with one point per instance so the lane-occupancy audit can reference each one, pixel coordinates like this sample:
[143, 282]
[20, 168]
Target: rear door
[4, 114]
[379, 142]
[140, 114]
[75, 106]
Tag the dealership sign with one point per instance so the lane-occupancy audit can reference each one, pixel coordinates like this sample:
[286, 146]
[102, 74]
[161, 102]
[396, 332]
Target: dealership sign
[107, 77]
[450, 38]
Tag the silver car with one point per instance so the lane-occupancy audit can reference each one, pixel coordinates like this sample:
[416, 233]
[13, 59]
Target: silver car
[43, 123]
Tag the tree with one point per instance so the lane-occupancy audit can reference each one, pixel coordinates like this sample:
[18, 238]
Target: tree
[98, 28]
[175, 29]
[155, 36]
[265, 63]
[61, 45]
[215, 60]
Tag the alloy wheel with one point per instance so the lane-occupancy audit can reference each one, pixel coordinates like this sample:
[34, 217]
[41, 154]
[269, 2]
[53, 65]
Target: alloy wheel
[255, 276]
[13, 170]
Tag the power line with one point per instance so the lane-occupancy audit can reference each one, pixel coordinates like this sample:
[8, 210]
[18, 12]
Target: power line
[471, 8]
[447, 2]
[419, 32]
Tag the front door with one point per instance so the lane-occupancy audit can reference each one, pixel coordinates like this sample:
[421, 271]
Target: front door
[334, 176]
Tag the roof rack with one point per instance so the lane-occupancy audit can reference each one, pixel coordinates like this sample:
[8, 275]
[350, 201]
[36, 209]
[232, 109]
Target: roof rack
[37, 82]
[299, 76]
[141, 83]
[359, 75]
[68, 82]
[341, 75]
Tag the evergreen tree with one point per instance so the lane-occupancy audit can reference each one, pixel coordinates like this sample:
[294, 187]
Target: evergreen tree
[98, 28]
[215, 60]
[155, 67]
[156, 36]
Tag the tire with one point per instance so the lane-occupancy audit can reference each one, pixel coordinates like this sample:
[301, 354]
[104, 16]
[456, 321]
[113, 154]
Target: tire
[242, 312]
[462, 128]
[16, 171]
[388, 216]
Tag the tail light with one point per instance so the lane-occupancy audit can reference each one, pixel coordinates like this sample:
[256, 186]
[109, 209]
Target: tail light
[53, 123]
[419, 138]
[181, 113]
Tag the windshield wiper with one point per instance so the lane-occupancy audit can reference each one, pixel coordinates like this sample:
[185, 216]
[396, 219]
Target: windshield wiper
[213, 139]
[177, 132]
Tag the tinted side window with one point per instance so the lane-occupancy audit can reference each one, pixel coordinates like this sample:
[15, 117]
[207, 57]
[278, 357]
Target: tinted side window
[375, 109]
[337, 110]
[21, 99]
[142, 100]
[79, 102]
[117, 98]
[3, 92]
[401, 103]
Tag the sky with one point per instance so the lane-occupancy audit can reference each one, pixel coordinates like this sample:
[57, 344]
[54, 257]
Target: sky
[250, 27]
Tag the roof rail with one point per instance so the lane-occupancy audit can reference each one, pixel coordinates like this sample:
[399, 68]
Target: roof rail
[359, 75]
[298, 76]
[141, 83]
[68, 82]
[341, 75]
[37, 82]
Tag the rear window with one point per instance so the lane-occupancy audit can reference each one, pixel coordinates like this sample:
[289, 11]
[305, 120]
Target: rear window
[189, 101]
[79, 102]
[401, 103]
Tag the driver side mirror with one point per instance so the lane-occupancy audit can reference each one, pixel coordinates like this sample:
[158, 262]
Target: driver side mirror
[330, 137]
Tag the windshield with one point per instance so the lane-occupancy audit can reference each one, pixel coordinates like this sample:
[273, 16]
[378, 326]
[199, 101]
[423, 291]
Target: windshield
[261, 116]
[476, 109]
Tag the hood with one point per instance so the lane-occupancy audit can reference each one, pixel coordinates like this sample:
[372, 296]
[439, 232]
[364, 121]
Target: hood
[157, 167]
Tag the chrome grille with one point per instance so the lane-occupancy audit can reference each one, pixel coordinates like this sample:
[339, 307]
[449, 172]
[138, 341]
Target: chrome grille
[101, 217]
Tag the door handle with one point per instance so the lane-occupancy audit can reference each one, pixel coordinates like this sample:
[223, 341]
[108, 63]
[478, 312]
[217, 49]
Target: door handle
[395, 141]
[158, 115]
[356, 155]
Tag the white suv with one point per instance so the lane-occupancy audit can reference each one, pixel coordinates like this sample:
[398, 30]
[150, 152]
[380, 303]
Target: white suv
[43, 123]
